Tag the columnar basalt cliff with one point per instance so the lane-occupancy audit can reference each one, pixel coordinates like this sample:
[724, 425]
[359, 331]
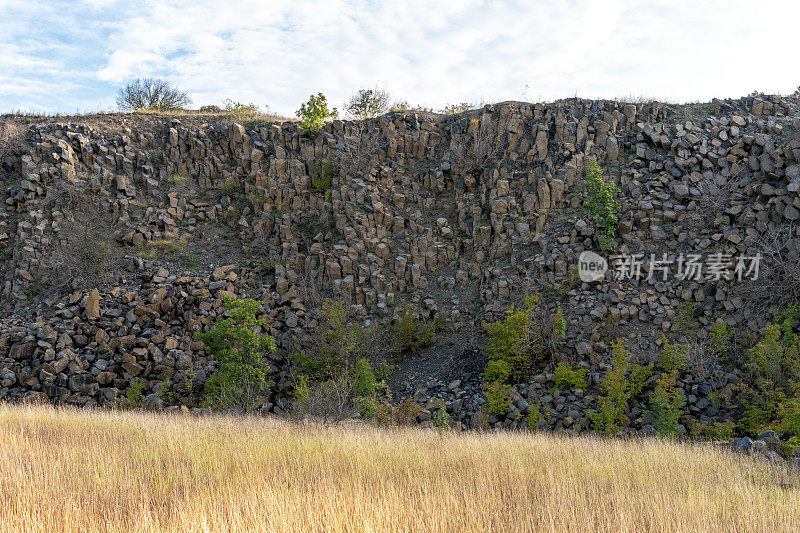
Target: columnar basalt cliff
[119, 241]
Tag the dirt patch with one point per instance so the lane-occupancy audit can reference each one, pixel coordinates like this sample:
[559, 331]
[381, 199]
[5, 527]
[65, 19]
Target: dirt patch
[456, 356]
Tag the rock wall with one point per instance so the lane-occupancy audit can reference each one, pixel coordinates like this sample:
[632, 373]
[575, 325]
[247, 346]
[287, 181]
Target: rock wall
[457, 215]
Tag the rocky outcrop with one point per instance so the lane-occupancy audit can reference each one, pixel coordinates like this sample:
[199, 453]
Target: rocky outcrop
[92, 346]
[457, 216]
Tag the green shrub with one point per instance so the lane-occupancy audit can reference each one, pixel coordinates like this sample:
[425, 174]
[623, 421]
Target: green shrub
[497, 400]
[165, 393]
[601, 203]
[190, 260]
[452, 109]
[134, 395]
[760, 406]
[613, 402]
[336, 379]
[524, 338]
[616, 391]
[412, 335]
[509, 339]
[718, 432]
[791, 447]
[672, 356]
[684, 317]
[302, 390]
[322, 180]
[789, 413]
[403, 414]
[637, 379]
[365, 383]
[241, 346]
[666, 405]
[497, 370]
[722, 431]
[773, 367]
[442, 419]
[240, 110]
[314, 113]
[534, 416]
[776, 357]
[559, 333]
[566, 378]
[365, 388]
[720, 339]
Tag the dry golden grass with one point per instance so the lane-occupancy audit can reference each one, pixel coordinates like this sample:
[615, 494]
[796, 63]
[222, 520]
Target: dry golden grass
[222, 113]
[158, 247]
[67, 470]
[11, 133]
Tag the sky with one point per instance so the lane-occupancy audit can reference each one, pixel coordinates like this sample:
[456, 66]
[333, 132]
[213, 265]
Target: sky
[67, 57]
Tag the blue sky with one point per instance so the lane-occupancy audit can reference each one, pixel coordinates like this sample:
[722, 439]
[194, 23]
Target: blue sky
[60, 56]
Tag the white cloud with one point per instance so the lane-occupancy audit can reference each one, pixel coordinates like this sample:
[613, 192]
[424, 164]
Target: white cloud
[431, 53]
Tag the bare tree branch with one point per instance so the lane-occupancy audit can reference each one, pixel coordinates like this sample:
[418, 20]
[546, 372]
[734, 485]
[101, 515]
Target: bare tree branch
[358, 150]
[778, 282]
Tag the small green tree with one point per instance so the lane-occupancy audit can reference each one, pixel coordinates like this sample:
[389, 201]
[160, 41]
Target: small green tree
[314, 113]
[601, 203]
[442, 418]
[367, 103]
[134, 395]
[617, 389]
[241, 347]
[364, 382]
[776, 357]
[773, 366]
[335, 377]
[525, 337]
[673, 356]
[789, 414]
[666, 405]
[534, 416]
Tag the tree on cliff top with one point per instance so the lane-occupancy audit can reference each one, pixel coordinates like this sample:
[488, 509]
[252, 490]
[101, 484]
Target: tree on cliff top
[151, 94]
[368, 103]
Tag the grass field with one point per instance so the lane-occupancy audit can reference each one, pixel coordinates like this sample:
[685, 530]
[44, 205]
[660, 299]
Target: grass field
[69, 470]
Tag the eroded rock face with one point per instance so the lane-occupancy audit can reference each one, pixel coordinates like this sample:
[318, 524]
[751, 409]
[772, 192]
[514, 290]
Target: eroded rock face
[144, 332]
[457, 216]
